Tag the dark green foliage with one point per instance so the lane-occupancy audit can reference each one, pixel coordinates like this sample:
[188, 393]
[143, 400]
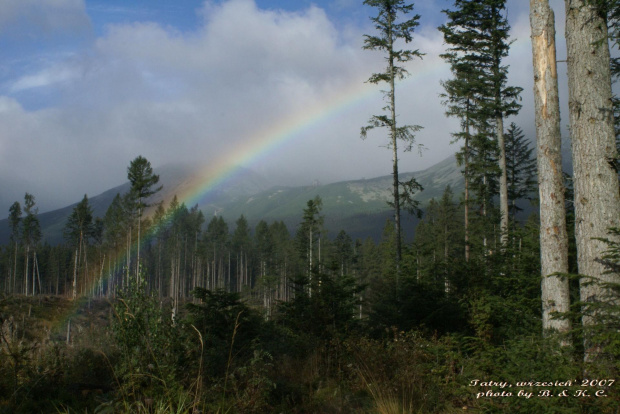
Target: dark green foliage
[520, 166]
[241, 236]
[343, 253]
[142, 179]
[320, 310]
[392, 30]
[604, 328]
[521, 359]
[80, 224]
[438, 245]
[228, 328]
[414, 304]
[477, 32]
[478, 40]
[15, 216]
[31, 229]
[113, 223]
[309, 233]
[313, 324]
[406, 372]
[613, 24]
[149, 351]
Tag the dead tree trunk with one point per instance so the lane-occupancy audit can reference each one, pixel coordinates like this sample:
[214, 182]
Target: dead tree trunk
[553, 234]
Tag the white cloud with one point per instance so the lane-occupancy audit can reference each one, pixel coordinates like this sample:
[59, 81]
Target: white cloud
[46, 77]
[33, 18]
[149, 89]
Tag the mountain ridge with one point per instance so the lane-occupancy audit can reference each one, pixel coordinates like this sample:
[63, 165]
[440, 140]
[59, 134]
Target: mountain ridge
[356, 206]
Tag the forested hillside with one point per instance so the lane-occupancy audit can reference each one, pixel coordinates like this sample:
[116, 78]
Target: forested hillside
[359, 206]
[492, 286]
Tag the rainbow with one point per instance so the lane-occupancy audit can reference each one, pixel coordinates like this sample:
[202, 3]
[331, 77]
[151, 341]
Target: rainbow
[271, 138]
[253, 148]
[245, 152]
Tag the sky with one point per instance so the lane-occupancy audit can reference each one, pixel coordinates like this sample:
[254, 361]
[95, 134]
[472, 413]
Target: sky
[275, 86]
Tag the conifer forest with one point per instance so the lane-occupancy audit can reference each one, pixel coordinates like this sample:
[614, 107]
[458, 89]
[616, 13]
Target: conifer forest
[485, 306]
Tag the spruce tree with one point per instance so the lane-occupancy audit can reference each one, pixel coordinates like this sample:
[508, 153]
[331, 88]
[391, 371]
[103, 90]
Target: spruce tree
[343, 252]
[283, 253]
[392, 30]
[264, 248]
[520, 167]
[309, 233]
[460, 98]
[478, 39]
[241, 246]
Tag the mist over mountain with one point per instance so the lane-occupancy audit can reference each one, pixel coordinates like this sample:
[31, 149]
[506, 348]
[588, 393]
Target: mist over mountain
[358, 207]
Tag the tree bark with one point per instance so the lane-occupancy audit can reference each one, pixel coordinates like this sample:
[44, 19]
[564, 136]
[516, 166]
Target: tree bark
[503, 179]
[393, 133]
[466, 201]
[597, 201]
[553, 234]
[26, 269]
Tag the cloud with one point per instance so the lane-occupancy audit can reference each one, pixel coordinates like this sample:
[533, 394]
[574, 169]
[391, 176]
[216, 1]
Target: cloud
[170, 95]
[35, 18]
[46, 77]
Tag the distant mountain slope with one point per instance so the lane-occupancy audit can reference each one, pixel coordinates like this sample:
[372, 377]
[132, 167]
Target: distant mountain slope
[359, 207]
[173, 177]
[343, 202]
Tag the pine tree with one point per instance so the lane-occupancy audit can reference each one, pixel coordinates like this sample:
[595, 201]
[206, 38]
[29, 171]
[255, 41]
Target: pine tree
[392, 31]
[142, 179]
[31, 235]
[78, 229]
[15, 217]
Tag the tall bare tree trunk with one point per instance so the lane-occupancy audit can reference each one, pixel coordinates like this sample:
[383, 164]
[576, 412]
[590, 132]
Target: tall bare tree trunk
[466, 201]
[75, 264]
[553, 234]
[393, 134]
[26, 269]
[310, 245]
[503, 179]
[15, 271]
[139, 240]
[597, 202]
